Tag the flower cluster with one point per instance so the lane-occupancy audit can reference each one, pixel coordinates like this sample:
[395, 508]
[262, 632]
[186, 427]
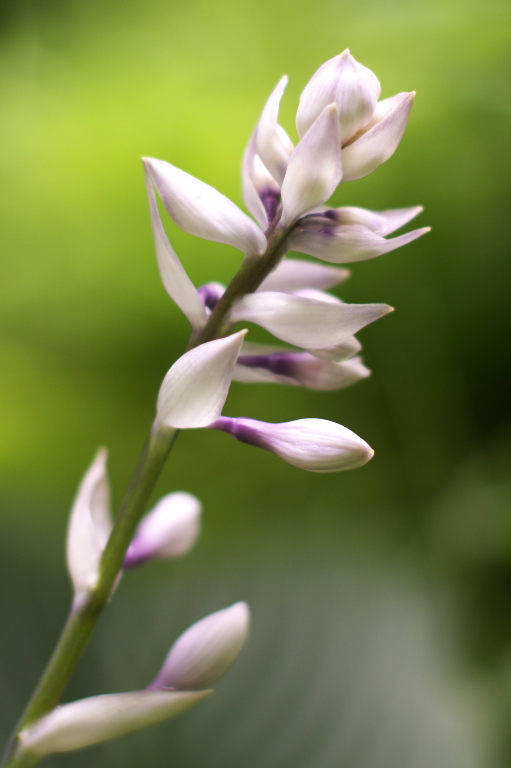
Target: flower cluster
[345, 133]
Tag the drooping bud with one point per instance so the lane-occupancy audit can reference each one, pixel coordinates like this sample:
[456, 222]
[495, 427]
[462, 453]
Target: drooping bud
[204, 652]
[274, 146]
[89, 526]
[313, 444]
[314, 170]
[194, 390]
[101, 718]
[344, 243]
[175, 280]
[300, 368]
[379, 139]
[306, 322]
[203, 211]
[170, 530]
[352, 87]
[292, 275]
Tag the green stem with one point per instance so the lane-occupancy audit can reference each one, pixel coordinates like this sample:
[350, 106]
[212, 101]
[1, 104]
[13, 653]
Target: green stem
[86, 612]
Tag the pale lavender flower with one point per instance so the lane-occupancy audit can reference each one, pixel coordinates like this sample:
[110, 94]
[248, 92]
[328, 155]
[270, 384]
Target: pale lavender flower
[169, 530]
[313, 444]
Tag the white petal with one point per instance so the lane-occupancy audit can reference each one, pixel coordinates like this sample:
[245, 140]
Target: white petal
[177, 283]
[347, 244]
[203, 211]
[205, 650]
[300, 368]
[375, 145]
[99, 718]
[353, 87]
[306, 322]
[89, 525]
[314, 170]
[169, 530]
[340, 352]
[273, 144]
[292, 275]
[397, 218]
[194, 390]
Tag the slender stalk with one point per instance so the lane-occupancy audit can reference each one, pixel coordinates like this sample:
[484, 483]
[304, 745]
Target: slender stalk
[85, 613]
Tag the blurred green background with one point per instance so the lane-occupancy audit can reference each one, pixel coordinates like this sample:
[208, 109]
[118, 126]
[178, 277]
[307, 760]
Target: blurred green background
[381, 598]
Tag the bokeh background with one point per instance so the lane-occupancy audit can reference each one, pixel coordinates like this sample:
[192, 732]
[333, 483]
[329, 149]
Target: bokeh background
[381, 598]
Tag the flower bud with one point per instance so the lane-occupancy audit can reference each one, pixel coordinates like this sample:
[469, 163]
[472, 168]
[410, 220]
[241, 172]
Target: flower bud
[203, 211]
[210, 294]
[170, 530]
[380, 222]
[261, 192]
[300, 368]
[89, 526]
[351, 86]
[204, 652]
[195, 389]
[313, 444]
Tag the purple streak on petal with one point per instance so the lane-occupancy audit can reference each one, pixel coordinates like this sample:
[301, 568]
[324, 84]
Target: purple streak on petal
[270, 199]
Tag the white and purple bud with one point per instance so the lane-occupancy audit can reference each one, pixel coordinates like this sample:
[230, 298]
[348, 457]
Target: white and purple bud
[89, 526]
[312, 444]
[175, 280]
[201, 210]
[311, 323]
[315, 169]
[352, 87]
[274, 146]
[381, 222]
[293, 275]
[300, 368]
[379, 139]
[170, 530]
[321, 237]
[261, 192]
[204, 652]
[195, 389]
[101, 718]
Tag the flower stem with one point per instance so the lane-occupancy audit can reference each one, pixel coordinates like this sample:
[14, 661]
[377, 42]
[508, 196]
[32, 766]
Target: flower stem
[85, 613]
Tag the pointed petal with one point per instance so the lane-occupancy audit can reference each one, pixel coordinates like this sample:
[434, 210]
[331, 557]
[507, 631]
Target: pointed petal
[293, 274]
[274, 146]
[203, 211]
[169, 530]
[261, 192]
[100, 718]
[204, 652]
[397, 218]
[175, 280]
[89, 525]
[346, 244]
[353, 87]
[194, 390]
[306, 322]
[375, 145]
[314, 170]
[312, 444]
